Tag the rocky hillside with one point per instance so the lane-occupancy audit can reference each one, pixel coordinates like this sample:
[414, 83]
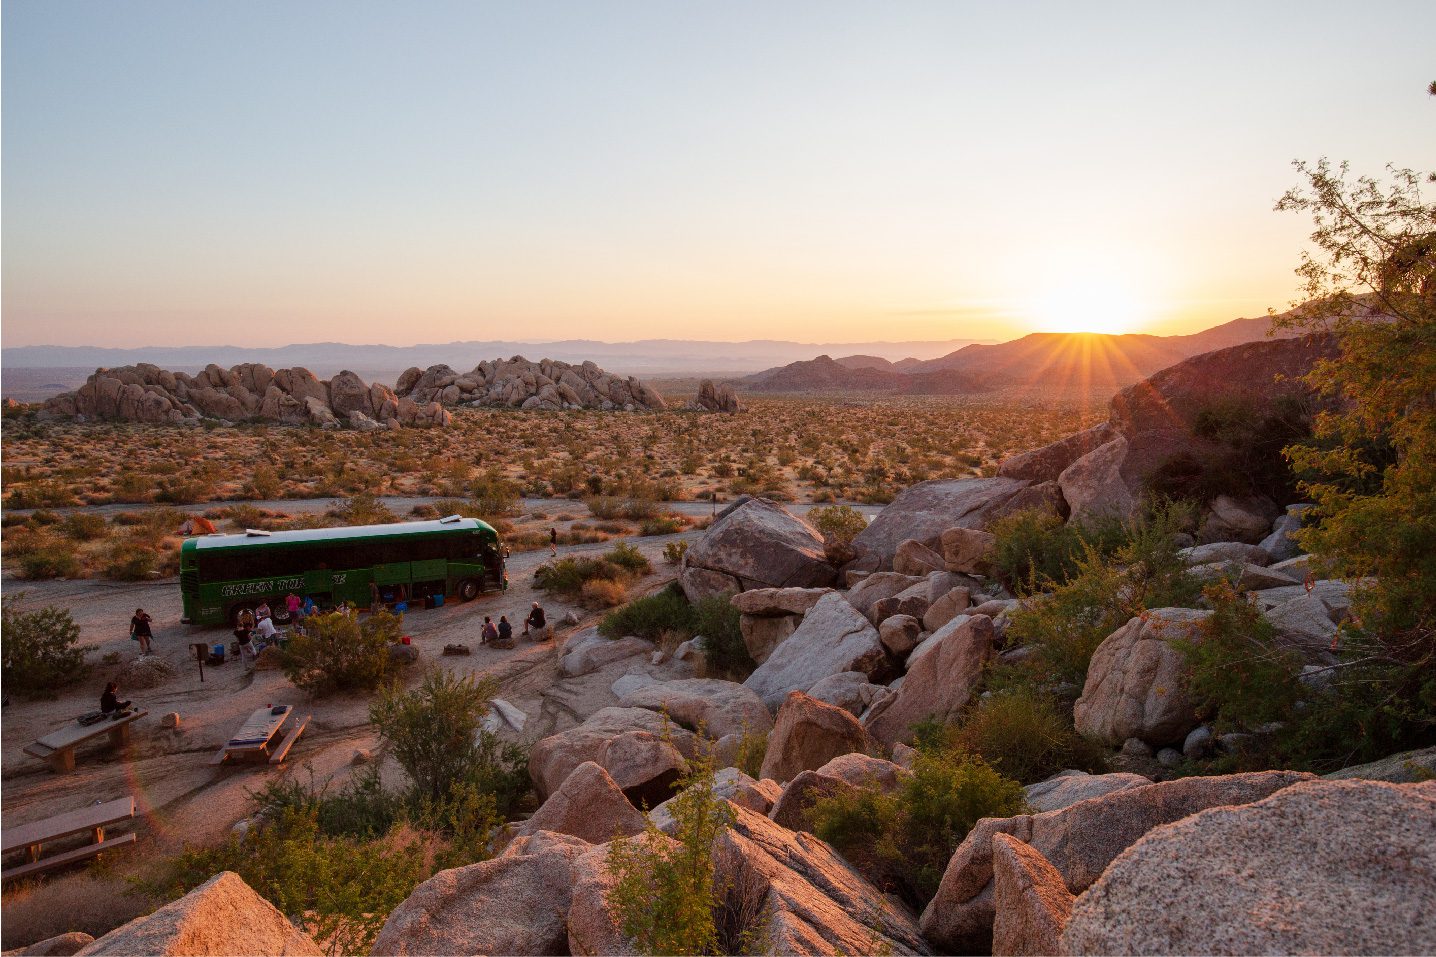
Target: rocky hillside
[147, 393]
[521, 384]
[856, 374]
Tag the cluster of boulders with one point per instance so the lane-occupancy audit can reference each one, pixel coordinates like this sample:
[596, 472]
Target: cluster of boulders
[517, 383]
[711, 398]
[247, 392]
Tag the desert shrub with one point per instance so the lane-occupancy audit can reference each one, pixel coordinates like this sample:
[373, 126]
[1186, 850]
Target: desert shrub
[50, 557]
[157, 522]
[338, 652]
[651, 616]
[673, 552]
[264, 483]
[363, 508]
[39, 648]
[837, 523]
[44, 518]
[752, 749]
[1103, 593]
[614, 507]
[94, 901]
[1239, 677]
[184, 489]
[662, 525]
[132, 487]
[339, 890]
[129, 561]
[455, 506]
[495, 495]
[46, 493]
[436, 734]
[904, 839]
[663, 894]
[603, 592]
[1036, 549]
[627, 556]
[84, 527]
[361, 808]
[716, 620]
[1025, 735]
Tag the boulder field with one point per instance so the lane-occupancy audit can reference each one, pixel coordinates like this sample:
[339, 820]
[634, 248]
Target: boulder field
[421, 397]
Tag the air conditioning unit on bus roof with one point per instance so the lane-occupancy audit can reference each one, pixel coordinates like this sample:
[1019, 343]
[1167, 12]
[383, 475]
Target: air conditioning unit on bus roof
[255, 533]
[451, 519]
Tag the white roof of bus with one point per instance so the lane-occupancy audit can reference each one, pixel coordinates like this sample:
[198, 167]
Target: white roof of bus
[336, 534]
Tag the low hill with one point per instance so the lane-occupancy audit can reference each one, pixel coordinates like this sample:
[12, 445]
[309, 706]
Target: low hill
[865, 362]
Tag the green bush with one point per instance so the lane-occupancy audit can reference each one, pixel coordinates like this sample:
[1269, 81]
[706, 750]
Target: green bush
[837, 523]
[39, 648]
[50, 558]
[627, 556]
[651, 616]
[662, 525]
[84, 527]
[1066, 625]
[1026, 735]
[663, 893]
[436, 734]
[495, 495]
[363, 508]
[130, 561]
[339, 890]
[568, 575]
[1036, 550]
[362, 808]
[716, 620]
[613, 507]
[903, 840]
[673, 552]
[1239, 677]
[338, 652]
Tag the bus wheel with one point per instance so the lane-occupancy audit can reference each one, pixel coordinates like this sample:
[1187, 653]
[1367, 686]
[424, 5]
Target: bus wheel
[468, 589]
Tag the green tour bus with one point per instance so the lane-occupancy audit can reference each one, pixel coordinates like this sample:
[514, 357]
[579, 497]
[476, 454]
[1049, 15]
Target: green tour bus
[220, 575]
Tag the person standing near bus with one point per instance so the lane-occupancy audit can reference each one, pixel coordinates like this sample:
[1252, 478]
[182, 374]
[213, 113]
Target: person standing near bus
[291, 602]
[140, 630]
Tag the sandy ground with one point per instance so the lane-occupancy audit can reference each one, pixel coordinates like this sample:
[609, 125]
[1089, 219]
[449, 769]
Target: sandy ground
[181, 797]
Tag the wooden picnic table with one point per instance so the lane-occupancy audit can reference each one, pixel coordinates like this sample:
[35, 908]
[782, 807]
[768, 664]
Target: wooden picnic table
[32, 837]
[255, 739]
[59, 747]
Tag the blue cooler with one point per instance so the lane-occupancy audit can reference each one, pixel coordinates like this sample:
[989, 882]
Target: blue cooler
[438, 601]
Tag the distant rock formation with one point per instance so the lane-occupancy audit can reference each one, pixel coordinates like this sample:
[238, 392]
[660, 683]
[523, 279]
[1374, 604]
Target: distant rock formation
[715, 399]
[521, 384]
[147, 393]
[859, 374]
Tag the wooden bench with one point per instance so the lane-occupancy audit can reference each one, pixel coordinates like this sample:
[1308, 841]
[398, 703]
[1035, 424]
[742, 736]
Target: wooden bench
[58, 748]
[32, 837]
[256, 738]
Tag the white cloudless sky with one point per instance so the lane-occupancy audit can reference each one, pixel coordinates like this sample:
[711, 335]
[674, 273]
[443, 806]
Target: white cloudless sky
[259, 173]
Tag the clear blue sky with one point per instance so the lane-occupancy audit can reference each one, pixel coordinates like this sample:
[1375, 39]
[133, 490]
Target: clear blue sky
[262, 172]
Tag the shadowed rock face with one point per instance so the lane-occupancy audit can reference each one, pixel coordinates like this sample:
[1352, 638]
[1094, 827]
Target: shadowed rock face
[522, 384]
[926, 510]
[247, 392]
[1324, 867]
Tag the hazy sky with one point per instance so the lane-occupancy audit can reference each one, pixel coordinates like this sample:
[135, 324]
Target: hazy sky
[259, 173]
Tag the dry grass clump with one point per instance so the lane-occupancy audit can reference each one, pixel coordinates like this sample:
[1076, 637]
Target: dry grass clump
[94, 901]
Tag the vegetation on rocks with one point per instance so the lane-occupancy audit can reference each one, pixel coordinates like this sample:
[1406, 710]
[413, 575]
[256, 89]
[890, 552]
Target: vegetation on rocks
[600, 580]
[667, 617]
[902, 839]
[664, 894]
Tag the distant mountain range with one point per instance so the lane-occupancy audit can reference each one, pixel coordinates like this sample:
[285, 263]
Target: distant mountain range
[643, 357]
[1088, 362]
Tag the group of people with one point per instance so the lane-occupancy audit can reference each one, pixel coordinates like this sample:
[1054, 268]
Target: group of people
[255, 629]
[536, 624]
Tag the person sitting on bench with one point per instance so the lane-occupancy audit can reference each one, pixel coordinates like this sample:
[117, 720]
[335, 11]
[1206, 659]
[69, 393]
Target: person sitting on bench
[110, 702]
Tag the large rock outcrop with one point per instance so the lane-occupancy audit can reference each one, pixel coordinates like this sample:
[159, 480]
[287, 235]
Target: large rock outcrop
[222, 916]
[588, 805]
[147, 393]
[1153, 425]
[1136, 683]
[521, 384]
[942, 673]
[808, 734]
[1324, 867]
[1031, 900]
[613, 738]
[1079, 840]
[755, 543]
[832, 639]
[712, 398]
[718, 707]
[516, 903]
[924, 511]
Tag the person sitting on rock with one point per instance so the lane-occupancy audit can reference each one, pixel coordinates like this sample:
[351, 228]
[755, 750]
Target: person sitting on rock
[506, 630]
[489, 633]
[536, 623]
[110, 700]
